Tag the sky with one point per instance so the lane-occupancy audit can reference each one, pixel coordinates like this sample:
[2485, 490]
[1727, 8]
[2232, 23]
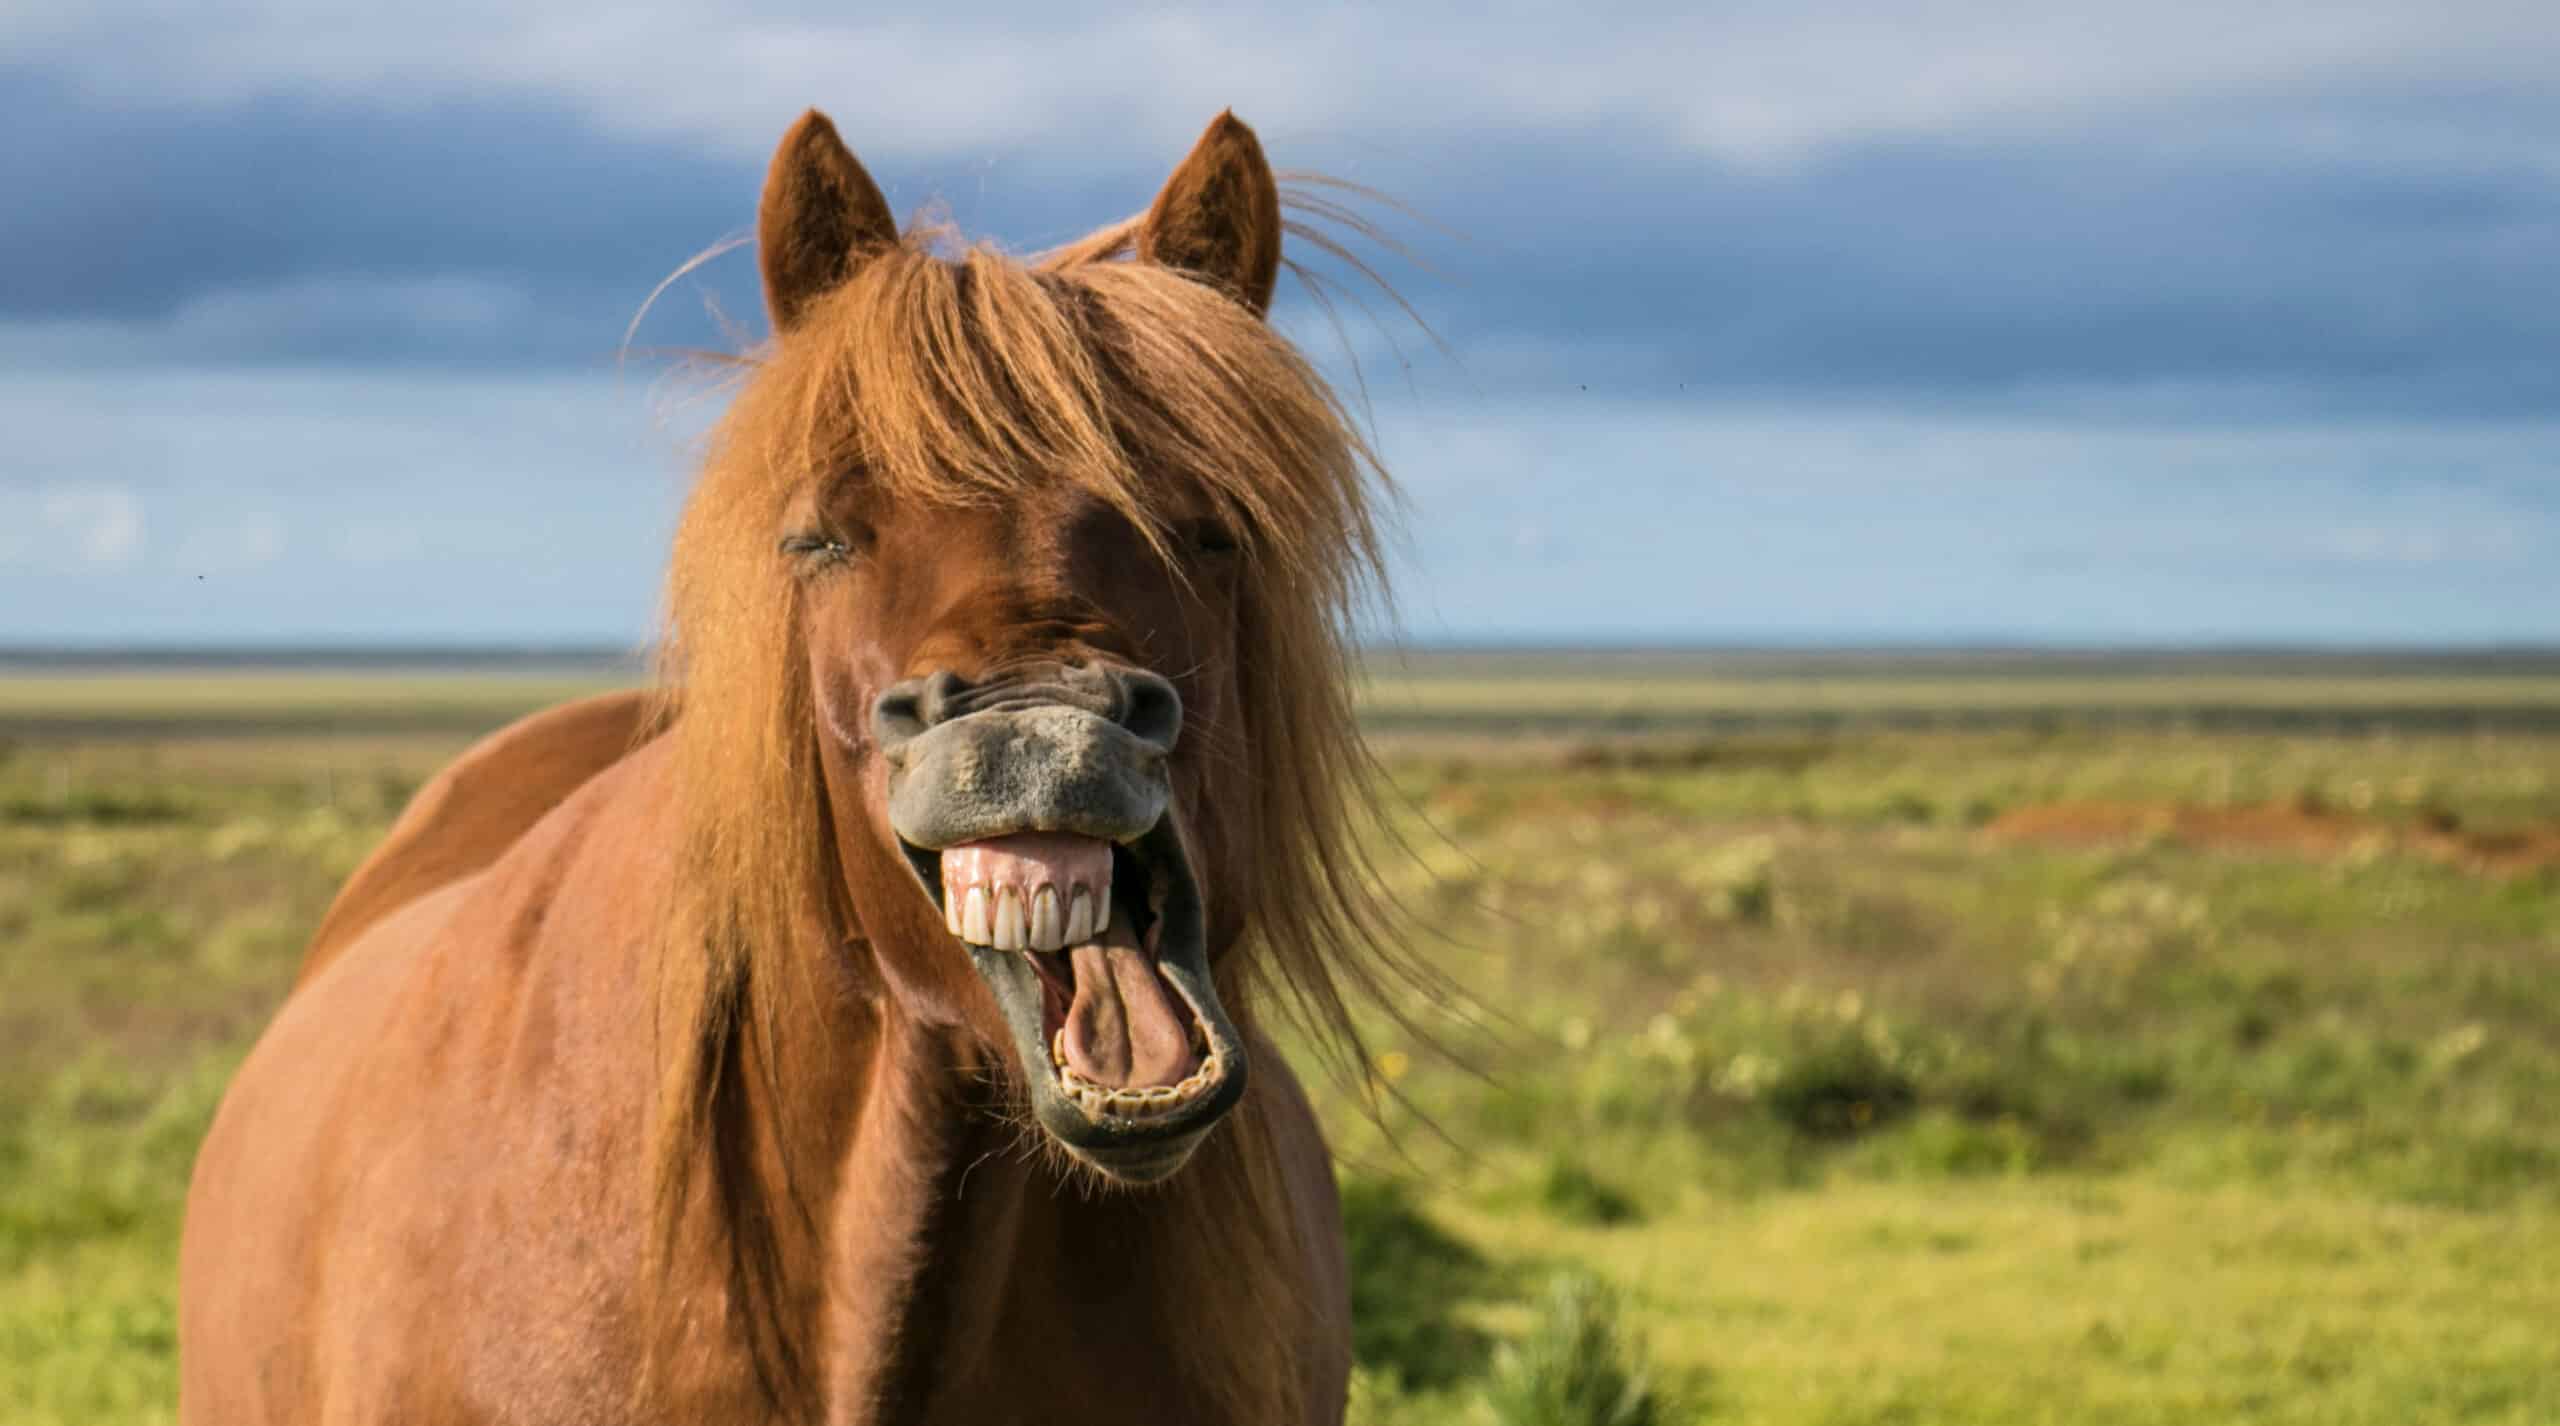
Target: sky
[1883, 321]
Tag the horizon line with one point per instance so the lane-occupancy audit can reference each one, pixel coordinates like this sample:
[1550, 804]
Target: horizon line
[538, 653]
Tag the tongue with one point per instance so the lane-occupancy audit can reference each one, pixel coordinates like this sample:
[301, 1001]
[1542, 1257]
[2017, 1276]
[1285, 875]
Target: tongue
[1126, 1029]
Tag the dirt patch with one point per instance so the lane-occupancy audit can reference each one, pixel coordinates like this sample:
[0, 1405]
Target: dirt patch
[2312, 832]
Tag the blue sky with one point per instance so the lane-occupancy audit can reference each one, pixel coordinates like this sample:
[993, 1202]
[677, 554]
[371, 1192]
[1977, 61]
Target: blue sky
[1815, 322]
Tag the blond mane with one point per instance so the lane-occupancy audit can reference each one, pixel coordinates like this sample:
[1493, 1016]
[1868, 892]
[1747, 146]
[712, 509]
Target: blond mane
[946, 374]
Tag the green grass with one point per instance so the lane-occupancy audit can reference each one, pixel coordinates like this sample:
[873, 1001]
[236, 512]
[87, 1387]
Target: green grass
[1446, 693]
[1897, 1122]
[1529, 692]
[163, 703]
[1811, 1101]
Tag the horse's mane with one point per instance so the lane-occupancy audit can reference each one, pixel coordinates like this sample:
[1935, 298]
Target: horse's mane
[944, 373]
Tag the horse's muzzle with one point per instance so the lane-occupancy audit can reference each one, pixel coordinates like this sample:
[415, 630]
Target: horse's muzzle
[1037, 814]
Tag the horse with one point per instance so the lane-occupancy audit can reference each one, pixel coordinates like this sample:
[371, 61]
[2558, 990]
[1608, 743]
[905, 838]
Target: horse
[871, 1022]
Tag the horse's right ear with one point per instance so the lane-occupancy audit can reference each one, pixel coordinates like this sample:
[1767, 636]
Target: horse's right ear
[821, 216]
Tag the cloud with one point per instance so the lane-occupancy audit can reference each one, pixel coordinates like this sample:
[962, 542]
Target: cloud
[231, 546]
[300, 319]
[288, 209]
[2047, 272]
[289, 504]
[104, 522]
[1759, 87]
[2180, 260]
[61, 525]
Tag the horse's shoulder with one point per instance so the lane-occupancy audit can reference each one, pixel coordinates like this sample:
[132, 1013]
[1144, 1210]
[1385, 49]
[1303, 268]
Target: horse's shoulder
[467, 815]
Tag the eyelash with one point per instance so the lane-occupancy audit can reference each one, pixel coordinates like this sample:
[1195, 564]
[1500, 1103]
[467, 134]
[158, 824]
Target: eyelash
[1209, 539]
[816, 547]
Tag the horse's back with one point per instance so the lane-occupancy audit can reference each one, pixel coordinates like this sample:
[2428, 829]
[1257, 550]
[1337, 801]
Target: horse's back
[476, 807]
[264, 1239]
[432, 1074]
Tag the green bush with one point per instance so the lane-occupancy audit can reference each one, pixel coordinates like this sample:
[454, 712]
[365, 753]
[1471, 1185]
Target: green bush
[1839, 1088]
[1571, 1192]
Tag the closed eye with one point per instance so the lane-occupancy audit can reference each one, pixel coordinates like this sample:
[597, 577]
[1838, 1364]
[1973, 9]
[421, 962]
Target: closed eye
[1210, 537]
[815, 547]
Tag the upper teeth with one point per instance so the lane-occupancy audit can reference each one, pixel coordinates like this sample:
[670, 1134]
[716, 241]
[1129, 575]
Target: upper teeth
[1011, 917]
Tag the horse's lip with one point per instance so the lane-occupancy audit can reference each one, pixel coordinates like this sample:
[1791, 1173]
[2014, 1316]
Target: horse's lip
[1126, 1149]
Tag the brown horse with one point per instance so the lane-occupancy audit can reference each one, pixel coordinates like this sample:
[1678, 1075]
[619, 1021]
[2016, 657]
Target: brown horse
[867, 1027]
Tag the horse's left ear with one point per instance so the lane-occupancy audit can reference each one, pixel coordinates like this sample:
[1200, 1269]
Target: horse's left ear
[1218, 217]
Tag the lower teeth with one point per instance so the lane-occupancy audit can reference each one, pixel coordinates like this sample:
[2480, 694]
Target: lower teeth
[1129, 1103]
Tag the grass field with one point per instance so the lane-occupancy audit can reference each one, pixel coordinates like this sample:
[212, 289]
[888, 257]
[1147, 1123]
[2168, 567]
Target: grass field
[2075, 1068]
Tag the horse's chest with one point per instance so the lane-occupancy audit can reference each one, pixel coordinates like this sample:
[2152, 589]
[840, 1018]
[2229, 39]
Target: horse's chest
[1070, 1375]
[1057, 1356]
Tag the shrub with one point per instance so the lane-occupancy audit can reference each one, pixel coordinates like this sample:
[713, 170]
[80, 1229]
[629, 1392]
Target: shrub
[1840, 1087]
[1571, 1192]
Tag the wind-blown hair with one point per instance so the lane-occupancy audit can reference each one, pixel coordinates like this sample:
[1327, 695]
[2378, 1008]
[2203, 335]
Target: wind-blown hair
[964, 376]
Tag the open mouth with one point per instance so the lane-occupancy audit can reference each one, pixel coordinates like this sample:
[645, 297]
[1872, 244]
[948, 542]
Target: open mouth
[1096, 953]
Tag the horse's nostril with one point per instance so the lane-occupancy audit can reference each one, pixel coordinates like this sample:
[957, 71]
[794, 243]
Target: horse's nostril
[906, 710]
[1150, 708]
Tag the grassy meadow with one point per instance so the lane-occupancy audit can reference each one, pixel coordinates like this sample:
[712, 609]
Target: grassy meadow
[1884, 1041]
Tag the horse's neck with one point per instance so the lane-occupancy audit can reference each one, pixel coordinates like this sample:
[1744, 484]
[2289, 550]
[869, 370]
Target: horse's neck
[931, 1203]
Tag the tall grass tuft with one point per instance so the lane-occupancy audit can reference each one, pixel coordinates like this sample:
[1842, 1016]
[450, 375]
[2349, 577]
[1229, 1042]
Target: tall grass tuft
[1576, 1366]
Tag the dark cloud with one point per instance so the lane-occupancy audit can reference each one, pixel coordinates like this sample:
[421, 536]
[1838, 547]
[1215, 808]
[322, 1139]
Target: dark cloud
[2100, 259]
[130, 217]
[1950, 271]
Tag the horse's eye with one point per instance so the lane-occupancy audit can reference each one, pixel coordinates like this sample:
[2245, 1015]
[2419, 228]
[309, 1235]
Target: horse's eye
[815, 548]
[1210, 537]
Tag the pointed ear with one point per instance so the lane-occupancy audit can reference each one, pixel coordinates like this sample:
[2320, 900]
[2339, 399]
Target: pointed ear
[1218, 217]
[821, 215]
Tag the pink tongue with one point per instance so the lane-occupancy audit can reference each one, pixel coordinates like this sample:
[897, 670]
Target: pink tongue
[1125, 1028]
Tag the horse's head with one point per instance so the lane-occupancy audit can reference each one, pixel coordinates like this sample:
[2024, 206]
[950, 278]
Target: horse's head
[1049, 812]
[1054, 559]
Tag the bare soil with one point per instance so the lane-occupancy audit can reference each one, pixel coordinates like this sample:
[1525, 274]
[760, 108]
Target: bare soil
[2313, 832]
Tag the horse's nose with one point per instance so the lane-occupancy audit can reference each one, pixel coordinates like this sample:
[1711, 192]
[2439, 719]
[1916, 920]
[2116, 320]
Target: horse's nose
[1076, 748]
[1141, 703]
